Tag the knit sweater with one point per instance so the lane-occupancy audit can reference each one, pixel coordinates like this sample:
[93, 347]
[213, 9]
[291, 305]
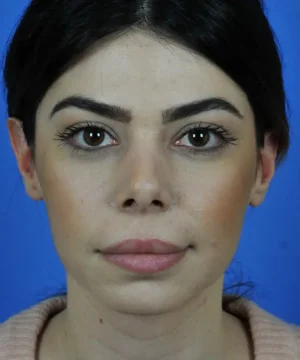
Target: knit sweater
[273, 339]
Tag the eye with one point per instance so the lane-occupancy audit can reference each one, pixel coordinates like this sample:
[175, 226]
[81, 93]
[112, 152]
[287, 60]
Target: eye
[196, 137]
[92, 137]
[205, 138]
[87, 137]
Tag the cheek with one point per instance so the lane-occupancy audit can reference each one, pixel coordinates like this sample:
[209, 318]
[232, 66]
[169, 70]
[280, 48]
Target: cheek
[226, 209]
[74, 198]
[218, 206]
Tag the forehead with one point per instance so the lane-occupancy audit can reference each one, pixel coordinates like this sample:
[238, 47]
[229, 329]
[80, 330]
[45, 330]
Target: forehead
[138, 71]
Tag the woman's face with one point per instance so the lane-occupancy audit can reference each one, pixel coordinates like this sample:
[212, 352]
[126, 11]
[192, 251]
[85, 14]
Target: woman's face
[147, 175]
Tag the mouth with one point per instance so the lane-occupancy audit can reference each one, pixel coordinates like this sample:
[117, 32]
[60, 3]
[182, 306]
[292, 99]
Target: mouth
[144, 256]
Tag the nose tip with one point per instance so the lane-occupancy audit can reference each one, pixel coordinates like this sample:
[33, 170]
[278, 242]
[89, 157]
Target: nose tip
[143, 197]
[143, 184]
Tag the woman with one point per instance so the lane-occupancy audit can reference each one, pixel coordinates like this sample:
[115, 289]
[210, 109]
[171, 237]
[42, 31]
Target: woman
[147, 127]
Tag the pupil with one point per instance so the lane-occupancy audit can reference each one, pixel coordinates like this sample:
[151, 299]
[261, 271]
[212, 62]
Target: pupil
[199, 137]
[93, 136]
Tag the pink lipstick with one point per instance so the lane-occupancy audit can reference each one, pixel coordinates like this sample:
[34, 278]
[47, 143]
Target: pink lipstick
[144, 256]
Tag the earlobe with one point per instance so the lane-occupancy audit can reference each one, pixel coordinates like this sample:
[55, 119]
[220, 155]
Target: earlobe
[265, 171]
[23, 154]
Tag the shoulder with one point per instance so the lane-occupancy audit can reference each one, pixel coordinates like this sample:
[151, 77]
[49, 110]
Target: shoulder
[272, 337]
[280, 337]
[19, 334]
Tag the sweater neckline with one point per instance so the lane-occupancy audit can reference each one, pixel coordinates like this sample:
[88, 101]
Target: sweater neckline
[273, 339]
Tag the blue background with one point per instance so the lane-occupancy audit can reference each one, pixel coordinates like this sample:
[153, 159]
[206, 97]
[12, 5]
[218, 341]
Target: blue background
[269, 251]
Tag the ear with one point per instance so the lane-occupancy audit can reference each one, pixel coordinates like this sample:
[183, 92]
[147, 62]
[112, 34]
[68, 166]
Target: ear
[23, 155]
[266, 168]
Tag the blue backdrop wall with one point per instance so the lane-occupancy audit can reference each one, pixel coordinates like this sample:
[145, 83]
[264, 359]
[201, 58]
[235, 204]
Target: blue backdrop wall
[269, 251]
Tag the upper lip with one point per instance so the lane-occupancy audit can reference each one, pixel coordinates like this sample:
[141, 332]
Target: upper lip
[138, 246]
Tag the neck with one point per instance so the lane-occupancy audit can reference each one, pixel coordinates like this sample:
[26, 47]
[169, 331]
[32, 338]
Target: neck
[196, 330]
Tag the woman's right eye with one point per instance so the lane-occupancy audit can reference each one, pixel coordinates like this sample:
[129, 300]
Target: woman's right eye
[93, 137]
[88, 138]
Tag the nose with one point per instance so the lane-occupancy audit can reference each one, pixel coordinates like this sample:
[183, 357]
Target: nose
[143, 187]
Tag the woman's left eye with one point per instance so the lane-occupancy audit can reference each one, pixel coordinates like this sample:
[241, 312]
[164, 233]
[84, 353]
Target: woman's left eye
[205, 139]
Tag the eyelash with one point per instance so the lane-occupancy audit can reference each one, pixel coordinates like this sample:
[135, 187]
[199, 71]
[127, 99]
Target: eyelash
[217, 130]
[65, 136]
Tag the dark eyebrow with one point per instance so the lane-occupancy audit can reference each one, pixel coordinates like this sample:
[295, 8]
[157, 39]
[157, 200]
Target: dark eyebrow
[198, 107]
[124, 115]
[109, 111]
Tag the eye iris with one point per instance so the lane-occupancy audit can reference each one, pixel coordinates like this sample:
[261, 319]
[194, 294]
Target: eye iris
[199, 137]
[93, 136]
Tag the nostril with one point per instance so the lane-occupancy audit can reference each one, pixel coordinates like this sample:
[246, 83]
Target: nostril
[128, 202]
[157, 203]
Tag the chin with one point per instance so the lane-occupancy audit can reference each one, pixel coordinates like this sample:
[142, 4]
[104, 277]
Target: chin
[146, 298]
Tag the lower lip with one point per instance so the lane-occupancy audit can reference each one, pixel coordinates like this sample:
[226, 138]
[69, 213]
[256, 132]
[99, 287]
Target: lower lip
[145, 263]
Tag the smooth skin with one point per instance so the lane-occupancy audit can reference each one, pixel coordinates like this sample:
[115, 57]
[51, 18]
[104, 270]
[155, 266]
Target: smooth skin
[142, 181]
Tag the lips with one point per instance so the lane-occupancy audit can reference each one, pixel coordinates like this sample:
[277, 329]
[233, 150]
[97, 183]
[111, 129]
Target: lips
[138, 246]
[144, 256]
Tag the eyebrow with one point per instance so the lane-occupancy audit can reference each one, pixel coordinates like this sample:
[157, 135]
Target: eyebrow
[120, 114]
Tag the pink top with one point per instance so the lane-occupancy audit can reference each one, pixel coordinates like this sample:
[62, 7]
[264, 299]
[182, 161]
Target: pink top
[273, 339]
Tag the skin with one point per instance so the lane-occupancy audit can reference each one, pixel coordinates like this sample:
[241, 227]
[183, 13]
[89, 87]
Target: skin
[197, 200]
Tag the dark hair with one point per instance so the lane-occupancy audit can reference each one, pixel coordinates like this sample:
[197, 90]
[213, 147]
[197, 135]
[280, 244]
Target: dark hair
[54, 34]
